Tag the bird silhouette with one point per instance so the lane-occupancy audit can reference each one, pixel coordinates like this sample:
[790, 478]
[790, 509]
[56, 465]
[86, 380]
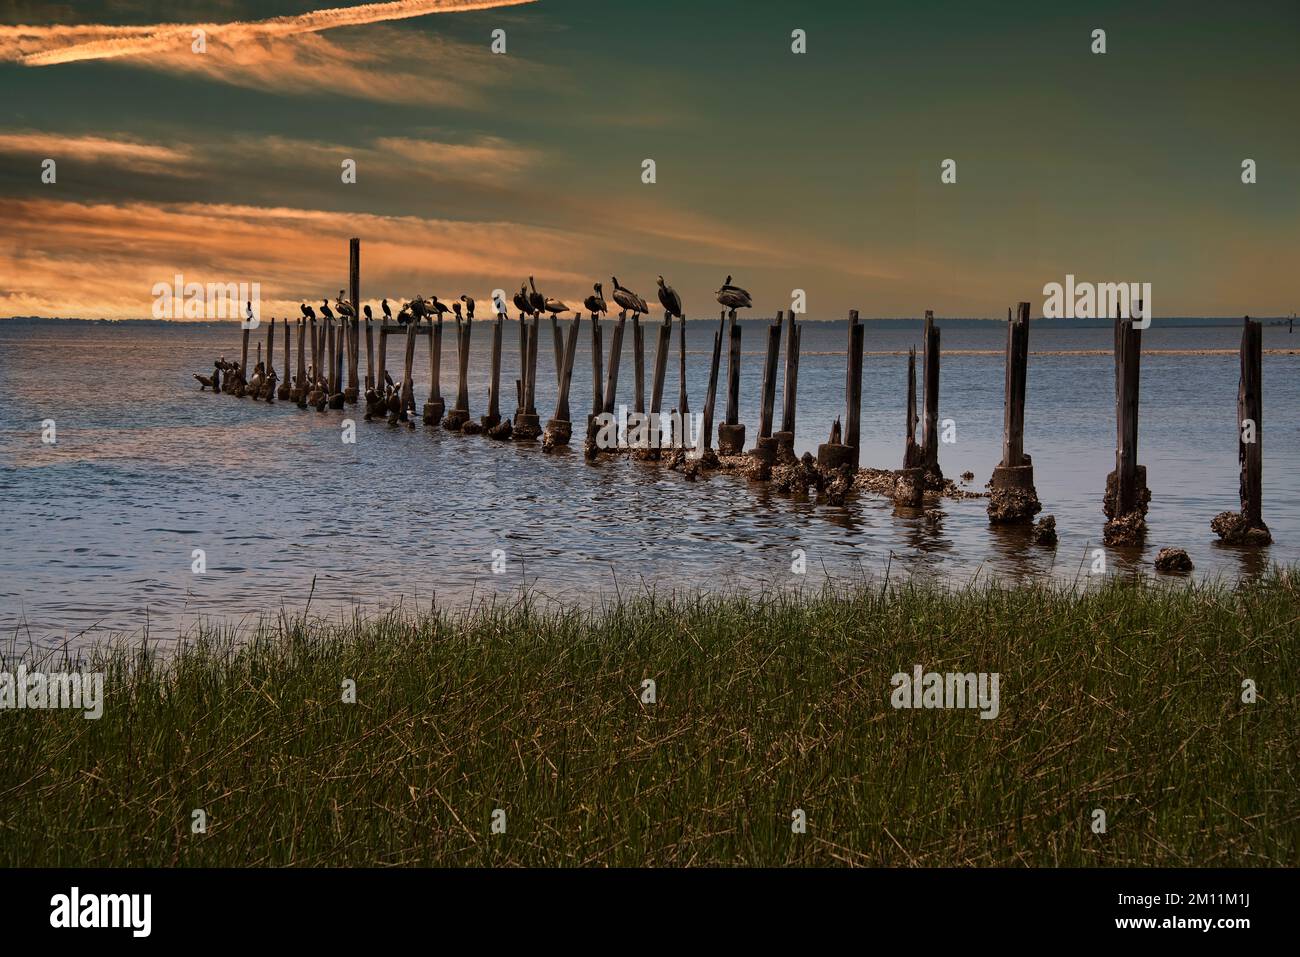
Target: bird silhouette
[672, 302]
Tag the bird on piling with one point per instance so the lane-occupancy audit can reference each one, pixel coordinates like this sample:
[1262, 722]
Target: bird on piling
[325, 309]
[388, 312]
[455, 307]
[554, 306]
[307, 311]
[439, 309]
[628, 300]
[469, 306]
[536, 301]
[733, 297]
[595, 303]
[366, 310]
[672, 302]
[521, 300]
[344, 307]
[417, 308]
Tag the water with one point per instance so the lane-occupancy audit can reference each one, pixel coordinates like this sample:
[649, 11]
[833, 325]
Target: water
[99, 529]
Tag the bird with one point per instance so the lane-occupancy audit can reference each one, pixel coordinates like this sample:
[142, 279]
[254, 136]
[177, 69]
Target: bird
[417, 307]
[455, 307]
[469, 305]
[521, 300]
[628, 300]
[383, 304]
[325, 309]
[307, 311]
[596, 303]
[554, 306]
[672, 302]
[344, 307]
[733, 297]
[536, 300]
[366, 310]
[205, 382]
[439, 309]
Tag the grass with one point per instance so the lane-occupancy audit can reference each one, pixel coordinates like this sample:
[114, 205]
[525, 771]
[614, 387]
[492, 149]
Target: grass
[1126, 698]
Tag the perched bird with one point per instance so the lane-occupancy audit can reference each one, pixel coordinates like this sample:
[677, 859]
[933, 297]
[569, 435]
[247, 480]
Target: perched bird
[469, 305]
[325, 309]
[205, 382]
[439, 309]
[628, 300]
[521, 300]
[596, 303]
[307, 311]
[344, 307]
[455, 307]
[366, 310]
[536, 300]
[733, 297]
[418, 307]
[383, 304]
[554, 306]
[672, 302]
[404, 314]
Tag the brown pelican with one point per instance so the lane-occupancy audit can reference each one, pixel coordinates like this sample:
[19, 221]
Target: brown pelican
[344, 307]
[307, 311]
[733, 297]
[325, 309]
[554, 306]
[628, 300]
[536, 301]
[596, 304]
[417, 307]
[469, 306]
[672, 302]
[383, 304]
[455, 307]
[521, 300]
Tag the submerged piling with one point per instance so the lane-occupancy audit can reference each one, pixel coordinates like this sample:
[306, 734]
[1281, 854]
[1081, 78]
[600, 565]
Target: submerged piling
[731, 434]
[354, 340]
[683, 400]
[527, 424]
[493, 416]
[615, 357]
[559, 430]
[1012, 496]
[765, 446]
[840, 452]
[793, 333]
[638, 364]
[459, 415]
[1127, 494]
[711, 396]
[1247, 526]
[930, 430]
[434, 407]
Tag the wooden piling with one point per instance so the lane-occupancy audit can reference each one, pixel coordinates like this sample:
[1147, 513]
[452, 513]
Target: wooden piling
[731, 434]
[768, 393]
[300, 381]
[243, 362]
[522, 386]
[615, 357]
[661, 365]
[315, 352]
[597, 358]
[354, 290]
[332, 346]
[1250, 416]
[371, 381]
[853, 390]
[270, 346]
[683, 398]
[434, 406]
[930, 430]
[1012, 497]
[408, 379]
[559, 429]
[1127, 496]
[712, 394]
[380, 369]
[638, 363]
[789, 392]
[494, 387]
[913, 457]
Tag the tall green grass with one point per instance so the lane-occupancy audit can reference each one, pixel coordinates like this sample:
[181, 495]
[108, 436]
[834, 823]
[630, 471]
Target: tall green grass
[1126, 698]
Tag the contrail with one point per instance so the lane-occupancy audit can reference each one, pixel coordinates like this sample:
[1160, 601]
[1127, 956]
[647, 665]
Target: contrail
[49, 45]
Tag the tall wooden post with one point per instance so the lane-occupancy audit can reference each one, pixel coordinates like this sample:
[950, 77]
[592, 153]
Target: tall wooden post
[789, 392]
[521, 386]
[768, 395]
[661, 368]
[380, 370]
[371, 381]
[332, 345]
[930, 432]
[731, 434]
[615, 357]
[853, 389]
[243, 362]
[354, 290]
[1250, 424]
[300, 382]
[683, 399]
[638, 363]
[493, 416]
[712, 394]
[1125, 502]
[270, 346]
[912, 454]
[597, 358]
[287, 379]
[408, 380]
[1012, 497]
[434, 406]
[559, 430]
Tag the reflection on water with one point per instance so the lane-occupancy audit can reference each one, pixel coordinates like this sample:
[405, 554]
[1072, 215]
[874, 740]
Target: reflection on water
[99, 530]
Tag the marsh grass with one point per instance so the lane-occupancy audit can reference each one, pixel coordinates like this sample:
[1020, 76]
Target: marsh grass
[1125, 698]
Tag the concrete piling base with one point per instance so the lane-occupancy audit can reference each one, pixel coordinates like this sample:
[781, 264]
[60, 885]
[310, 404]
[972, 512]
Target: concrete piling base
[558, 432]
[433, 411]
[1131, 527]
[455, 420]
[527, 426]
[1012, 497]
[731, 438]
[834, 456]
[909, 487]
[765, 449]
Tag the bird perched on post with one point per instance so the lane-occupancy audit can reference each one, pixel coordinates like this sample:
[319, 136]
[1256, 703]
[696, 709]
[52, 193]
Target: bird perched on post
[536, 301]
[733, 297]
[455, 307]
[344, 307]
[383, 304]
[596, 303]
[325, 309]
[672, 302]
[417, 307]
[307, 311]
[521, 300]
[439, 309]
[469, 306]
[554, 306]
[628, 300]
[366, 310]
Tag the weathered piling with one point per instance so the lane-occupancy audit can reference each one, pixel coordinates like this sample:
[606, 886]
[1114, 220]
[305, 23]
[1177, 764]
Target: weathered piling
[1012, 496]
[337, 395]
[270, 346]
[286, 384]
[459, 415]
[683, 400]
[793, 334]
[527, 424]
[711, 396]
[354, 340]
[909, 481]
[1127, 494]
[559, 430]
[331, 345]
[638, 364]
[731, 434]
[493, 416]
[615, 359]
[434, 407]
[930, 430]
[840, 452]
[1247, 526]
[315, 353]
[371, 381]
[654, 431]
[597, 392]
[380, 367]
[521, 384]
[300, 381]
[765, 446]
[243, 362]
[408, 379]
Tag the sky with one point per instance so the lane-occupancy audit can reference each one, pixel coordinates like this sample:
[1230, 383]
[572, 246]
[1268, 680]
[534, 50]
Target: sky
[818, 171]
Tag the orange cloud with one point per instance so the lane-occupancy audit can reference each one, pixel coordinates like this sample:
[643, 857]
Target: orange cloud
[135, 154]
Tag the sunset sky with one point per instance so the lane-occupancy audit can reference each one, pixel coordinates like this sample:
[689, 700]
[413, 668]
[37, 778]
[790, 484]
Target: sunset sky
[818, 171]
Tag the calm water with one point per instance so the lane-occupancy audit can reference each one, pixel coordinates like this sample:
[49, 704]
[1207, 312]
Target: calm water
[98, 530]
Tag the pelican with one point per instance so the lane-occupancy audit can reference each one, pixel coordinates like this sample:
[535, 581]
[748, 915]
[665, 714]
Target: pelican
[455, 307]
[383, 304]
[554, 306]
[628, 300]
[366, 310]
[672, 302]
[307, 311]
[344, 307]
[325, 309]
[417, 307]
[469, 306]
[733, 297]
[596, 303]
[439, 309]
[521, 300]
[536, 301]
